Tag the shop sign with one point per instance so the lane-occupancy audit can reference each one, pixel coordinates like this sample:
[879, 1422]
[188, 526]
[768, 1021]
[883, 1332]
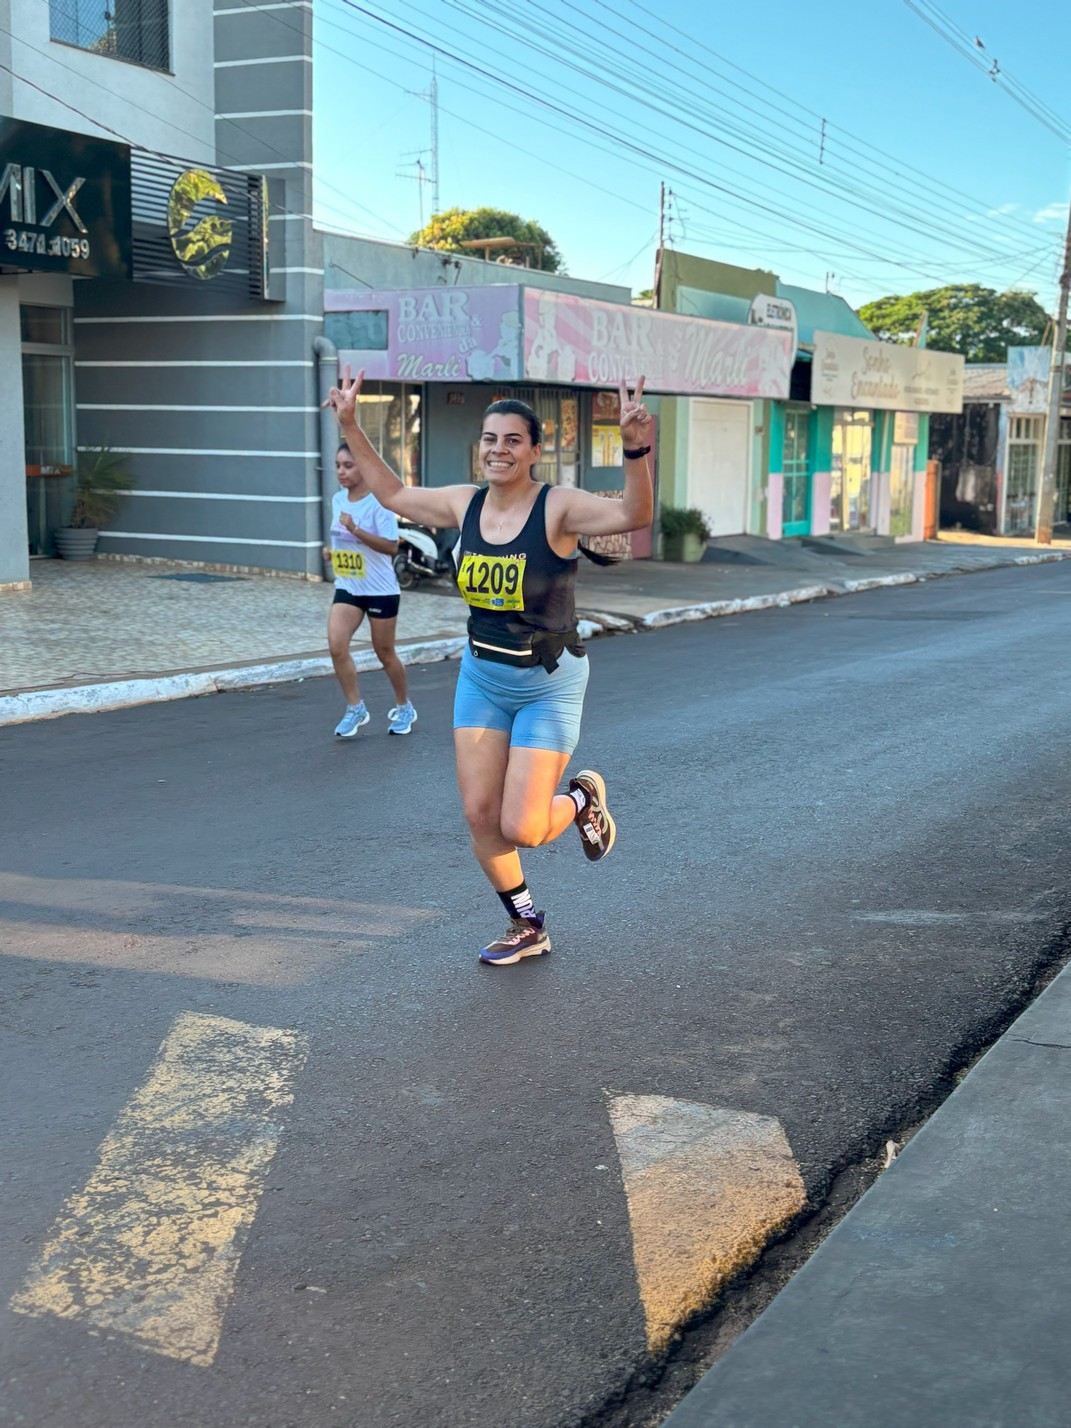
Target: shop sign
[585, 342]
[883, 376]
[1028, 379]
[428, 334]
[767, 311]
[906, 429]
[64, 201]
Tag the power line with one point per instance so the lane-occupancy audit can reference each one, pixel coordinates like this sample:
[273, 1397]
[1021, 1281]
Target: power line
[620, 142]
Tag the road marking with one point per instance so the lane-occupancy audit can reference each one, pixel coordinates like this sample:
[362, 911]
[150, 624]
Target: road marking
[706, 1190]
[150, 1247]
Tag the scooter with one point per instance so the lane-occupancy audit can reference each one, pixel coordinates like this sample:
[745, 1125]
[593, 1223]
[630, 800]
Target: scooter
[423, 554]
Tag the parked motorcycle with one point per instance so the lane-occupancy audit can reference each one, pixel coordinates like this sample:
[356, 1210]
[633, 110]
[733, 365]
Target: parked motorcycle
[423, 554]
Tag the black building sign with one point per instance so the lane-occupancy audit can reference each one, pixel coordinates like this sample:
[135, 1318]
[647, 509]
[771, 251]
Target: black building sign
[64, 202]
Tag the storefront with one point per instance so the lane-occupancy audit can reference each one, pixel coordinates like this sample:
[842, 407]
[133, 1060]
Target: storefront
[879, 397]
[109, 255]
[992, 454]
[561, 353]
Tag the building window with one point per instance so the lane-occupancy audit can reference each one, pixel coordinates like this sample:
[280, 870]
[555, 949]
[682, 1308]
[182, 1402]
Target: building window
[134, 30]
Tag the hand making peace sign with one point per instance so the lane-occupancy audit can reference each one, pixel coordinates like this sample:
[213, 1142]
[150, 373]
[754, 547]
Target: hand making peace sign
[635, 418]
[343, 399]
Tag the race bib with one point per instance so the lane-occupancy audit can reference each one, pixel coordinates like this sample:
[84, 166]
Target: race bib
[348, 563]
[493, 582]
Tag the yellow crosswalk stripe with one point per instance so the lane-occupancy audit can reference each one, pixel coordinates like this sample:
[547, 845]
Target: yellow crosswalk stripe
[150, 1247]
[706, 1189]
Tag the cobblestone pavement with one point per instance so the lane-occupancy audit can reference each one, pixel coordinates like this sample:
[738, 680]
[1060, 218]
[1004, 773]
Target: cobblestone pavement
[101, 620]
[88, 624]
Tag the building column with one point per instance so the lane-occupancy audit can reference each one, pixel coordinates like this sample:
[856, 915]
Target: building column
[14, 538]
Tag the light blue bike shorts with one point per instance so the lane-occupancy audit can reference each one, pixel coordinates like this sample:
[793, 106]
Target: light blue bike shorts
[536, 709]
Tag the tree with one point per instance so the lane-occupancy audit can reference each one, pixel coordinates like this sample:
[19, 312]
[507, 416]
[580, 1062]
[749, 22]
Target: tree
[978, 322]
[447, 231]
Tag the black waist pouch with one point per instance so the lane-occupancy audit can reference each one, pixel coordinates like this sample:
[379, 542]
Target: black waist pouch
[525, 651]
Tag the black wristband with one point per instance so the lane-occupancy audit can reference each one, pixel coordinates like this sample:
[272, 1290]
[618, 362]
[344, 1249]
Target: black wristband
[638, 452]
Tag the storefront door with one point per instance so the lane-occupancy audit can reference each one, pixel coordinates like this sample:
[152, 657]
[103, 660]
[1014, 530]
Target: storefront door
[796, 469]
[1062, 513]
[48, 414]
[1025, 439]
[719, 473]
[850, 494]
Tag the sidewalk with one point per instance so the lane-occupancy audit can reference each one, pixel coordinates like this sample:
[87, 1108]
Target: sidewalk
[105, 634]
[943, 1297]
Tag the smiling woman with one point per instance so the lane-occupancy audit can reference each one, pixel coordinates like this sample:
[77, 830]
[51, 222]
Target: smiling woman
[520, 691]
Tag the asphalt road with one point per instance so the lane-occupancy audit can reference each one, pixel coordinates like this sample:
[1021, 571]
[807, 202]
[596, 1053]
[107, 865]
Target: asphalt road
[842, 857]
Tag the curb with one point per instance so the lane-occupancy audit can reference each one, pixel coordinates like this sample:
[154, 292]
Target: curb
[34, 705]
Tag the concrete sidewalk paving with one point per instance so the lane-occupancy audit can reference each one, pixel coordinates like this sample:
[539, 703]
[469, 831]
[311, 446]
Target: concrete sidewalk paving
[943, 1297]
[105, 634]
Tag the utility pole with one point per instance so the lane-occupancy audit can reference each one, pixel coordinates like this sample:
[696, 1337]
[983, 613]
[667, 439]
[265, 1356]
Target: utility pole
[421, 176]
[1047, 494]
[431, 94]
[434, 99]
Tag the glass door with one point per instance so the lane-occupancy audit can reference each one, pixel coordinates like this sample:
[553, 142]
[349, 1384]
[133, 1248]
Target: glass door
[850, 488]
[796, 469]
[48, 416]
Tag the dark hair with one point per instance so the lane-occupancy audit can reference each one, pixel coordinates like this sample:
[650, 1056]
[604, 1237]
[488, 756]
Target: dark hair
[343, 446]
[509, 406]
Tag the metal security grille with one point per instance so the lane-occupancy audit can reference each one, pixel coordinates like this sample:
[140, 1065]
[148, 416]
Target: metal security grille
[134, 30]
[212, 229]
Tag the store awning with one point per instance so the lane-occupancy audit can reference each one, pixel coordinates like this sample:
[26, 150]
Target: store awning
[517, 333]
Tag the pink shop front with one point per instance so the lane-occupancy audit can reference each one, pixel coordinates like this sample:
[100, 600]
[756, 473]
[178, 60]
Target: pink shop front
[434, 358]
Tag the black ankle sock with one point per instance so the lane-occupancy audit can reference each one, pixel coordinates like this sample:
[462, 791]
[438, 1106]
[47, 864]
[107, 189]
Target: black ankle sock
[518, 903]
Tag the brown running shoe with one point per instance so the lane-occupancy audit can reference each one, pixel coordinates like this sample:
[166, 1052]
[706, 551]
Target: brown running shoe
[524, 937]
[597, 829]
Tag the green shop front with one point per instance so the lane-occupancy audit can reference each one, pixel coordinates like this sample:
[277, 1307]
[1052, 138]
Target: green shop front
[871, 403]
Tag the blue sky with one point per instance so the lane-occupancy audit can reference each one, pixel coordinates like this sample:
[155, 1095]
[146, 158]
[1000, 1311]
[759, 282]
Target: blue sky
[929, 172]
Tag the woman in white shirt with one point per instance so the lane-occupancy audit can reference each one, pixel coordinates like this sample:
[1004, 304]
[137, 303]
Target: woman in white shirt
[364, 542]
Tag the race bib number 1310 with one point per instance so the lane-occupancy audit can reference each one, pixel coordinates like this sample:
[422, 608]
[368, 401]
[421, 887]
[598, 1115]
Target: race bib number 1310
[493, 582]
[348, 563]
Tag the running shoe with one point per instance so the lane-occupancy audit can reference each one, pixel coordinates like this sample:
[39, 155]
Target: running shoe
[597, 829]
[524, 937]
[402, 718]
[355, 717]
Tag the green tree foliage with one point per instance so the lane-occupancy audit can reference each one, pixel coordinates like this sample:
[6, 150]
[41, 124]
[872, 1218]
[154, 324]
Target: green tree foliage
[978, 322]
[447, 231]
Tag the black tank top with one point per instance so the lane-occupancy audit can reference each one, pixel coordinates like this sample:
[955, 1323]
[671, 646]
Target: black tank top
[518, 587]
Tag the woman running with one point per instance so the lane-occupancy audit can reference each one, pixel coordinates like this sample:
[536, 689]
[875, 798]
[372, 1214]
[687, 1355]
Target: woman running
[364, 542]
[520, 690]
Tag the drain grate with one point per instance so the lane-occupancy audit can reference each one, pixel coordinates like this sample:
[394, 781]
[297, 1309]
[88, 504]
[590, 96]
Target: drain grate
[200, 577]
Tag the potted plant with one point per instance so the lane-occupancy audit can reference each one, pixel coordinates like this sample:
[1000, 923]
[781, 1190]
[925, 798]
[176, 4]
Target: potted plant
[684, 533]
[100, 480]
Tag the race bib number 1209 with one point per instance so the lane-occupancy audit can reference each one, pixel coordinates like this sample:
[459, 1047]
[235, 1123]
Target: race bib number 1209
[348, 563]
[493, 582]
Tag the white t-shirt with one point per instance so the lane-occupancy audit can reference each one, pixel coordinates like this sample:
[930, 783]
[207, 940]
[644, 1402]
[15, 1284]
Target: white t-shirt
[364, 571]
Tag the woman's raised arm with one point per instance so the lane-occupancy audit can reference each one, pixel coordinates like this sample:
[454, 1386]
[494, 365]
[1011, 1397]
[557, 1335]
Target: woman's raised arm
[430, 506]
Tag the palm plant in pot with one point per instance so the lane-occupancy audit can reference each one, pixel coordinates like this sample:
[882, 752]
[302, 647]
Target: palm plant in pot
[100, 480]
[684, 533]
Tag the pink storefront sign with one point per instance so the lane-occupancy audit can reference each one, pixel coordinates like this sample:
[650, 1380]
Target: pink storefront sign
[587, 343]
[430, 334]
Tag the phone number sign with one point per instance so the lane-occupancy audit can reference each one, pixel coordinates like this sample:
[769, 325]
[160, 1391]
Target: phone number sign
[65, 202]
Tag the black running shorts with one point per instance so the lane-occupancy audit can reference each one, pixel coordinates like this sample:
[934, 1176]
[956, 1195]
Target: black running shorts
[376, 607]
